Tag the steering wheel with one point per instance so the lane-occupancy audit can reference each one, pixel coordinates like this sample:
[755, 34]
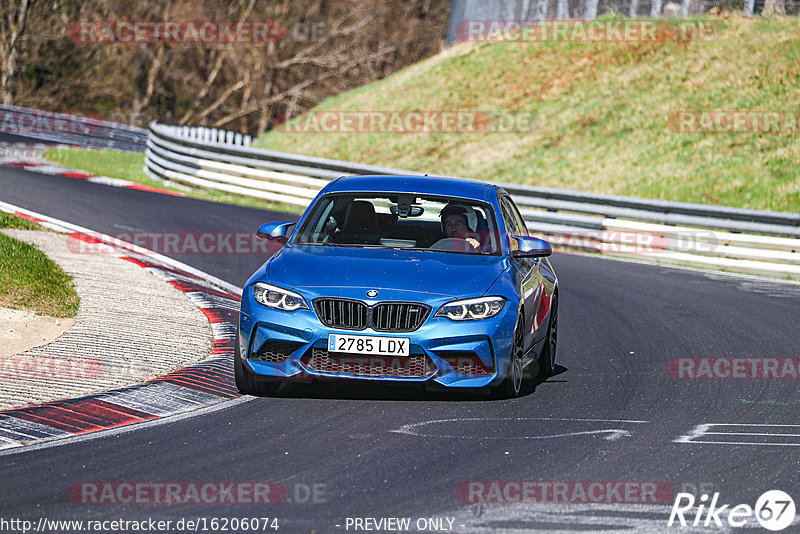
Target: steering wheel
[453, 244]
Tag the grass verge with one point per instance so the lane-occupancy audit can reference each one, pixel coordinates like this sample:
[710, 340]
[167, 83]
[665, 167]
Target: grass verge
[29, 279]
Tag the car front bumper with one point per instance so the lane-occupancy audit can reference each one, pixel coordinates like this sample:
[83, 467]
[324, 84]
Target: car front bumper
[283, 345]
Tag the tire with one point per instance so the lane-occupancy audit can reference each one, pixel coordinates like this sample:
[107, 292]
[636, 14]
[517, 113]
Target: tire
[246, 381]
[512, 383]
[547, 362]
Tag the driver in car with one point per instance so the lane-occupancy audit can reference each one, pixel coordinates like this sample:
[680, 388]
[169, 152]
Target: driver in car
[455, 224]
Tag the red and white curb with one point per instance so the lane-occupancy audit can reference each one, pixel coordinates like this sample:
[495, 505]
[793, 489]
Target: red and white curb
[55, 170]
[199, 385]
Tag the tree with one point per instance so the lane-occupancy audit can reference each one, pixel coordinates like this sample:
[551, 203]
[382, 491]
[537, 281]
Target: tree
[12, 26]
[328, 46]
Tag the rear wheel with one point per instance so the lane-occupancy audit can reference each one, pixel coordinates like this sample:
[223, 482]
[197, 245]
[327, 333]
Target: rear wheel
[513, 381]
[547, 362]
[246, 381]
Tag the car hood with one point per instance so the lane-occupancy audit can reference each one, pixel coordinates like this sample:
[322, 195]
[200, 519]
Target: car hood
[343, 271]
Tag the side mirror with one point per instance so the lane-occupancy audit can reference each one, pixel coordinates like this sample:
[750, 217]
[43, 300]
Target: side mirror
[275, 231]
[531, 247]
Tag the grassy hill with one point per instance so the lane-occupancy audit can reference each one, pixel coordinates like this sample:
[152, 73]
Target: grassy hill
[602, 112]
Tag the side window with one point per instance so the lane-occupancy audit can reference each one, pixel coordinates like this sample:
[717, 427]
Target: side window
[508, 220]
[514, 222]
[521, 227]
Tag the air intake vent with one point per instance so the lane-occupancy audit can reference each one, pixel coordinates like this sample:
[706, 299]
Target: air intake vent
[466, 363]
[413, 366]
[273, 351]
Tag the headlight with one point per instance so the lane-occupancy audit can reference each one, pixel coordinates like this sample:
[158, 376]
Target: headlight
[472, 309]
[278, 298]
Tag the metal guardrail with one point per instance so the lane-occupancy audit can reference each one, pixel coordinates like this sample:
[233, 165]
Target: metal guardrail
[717, 237]
[69, 129]
[464, 11]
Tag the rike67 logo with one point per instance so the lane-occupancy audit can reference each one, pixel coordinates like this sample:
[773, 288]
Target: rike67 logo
[774, 510]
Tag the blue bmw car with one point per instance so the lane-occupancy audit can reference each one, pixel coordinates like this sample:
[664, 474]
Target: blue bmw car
[401, 279]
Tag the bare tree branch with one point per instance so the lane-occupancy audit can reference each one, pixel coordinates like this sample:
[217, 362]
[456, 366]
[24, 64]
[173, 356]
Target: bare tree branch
[212, 76]
[331, 46]
[12, 26]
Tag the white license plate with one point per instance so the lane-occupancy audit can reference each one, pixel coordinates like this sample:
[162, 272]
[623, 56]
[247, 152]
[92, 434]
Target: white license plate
[372, 345]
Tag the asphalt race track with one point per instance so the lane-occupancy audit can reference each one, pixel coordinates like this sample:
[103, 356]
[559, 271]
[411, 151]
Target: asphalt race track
[612, 412]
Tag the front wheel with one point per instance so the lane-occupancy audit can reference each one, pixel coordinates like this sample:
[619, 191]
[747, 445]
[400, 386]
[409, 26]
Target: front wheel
[510, 387]
[246, 381]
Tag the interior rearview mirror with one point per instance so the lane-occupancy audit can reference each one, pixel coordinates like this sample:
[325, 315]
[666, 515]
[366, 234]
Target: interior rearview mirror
[407, 211]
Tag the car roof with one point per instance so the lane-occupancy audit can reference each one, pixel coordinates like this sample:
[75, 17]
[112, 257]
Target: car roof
[427, 185]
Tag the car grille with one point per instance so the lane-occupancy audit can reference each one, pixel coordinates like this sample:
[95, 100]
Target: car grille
[275, 351]
[383, 317]
[413, 366]
[400, 317]
[341, 313]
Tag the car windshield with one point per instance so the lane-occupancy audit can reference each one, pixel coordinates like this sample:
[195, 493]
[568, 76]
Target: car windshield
[401, 221]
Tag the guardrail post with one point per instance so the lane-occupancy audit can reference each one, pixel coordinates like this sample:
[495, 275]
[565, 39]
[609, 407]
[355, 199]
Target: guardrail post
[655, 8]
[541, 9]
[590, 13]
[562, 10]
